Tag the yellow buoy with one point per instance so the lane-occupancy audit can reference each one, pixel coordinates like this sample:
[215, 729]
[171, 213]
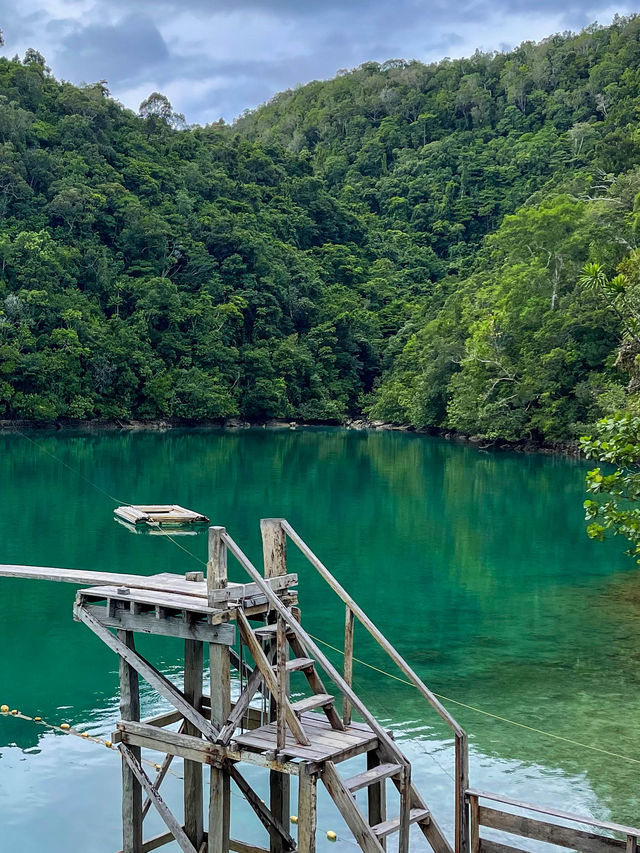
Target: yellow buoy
[108, 744]
[84, 734]
[331, 835]
[4, 709]
[294, 818]
[158, 766]
[14, 712]
[65, 726]
[37, 719]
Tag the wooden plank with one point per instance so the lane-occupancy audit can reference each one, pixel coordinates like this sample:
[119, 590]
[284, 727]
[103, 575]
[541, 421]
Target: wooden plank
[462, 840]
[132, 816]
[192, 748]
[474, 818]
[349, 810]
[216, 563]
[393, 824]
[81, 577]
[172, 824]
[268, 820]
[158, 598]
[349, 624]
[150, 674]
[171, 626]
[563, 836]
[317, 685]
[261, 660]
[391, 749]
[487, 846]
[309, 703]
[242, 847]
[371, 627]
[274, 547]
[192, 785]
[281, 668]
[307, 812]
[375, 774]
[601, 824]
[374, 779]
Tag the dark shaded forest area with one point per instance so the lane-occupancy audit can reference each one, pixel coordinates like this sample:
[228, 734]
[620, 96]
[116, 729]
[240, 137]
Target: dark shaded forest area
[404, 240]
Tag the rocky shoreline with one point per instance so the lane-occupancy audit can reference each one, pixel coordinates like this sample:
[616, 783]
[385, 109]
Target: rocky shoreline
[565, 448]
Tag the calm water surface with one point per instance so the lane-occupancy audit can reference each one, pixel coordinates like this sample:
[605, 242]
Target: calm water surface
[474, 564]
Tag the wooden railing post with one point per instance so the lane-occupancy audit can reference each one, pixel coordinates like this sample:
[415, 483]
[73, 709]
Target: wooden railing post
[462, 784]
[274, 549]
[220, 672]
[349, 624]
[474, 819]
[131, 788]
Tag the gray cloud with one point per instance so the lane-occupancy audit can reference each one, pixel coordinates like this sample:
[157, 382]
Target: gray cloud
[217, 58]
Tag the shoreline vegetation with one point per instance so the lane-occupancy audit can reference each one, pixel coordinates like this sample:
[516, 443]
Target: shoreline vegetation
[359, 424]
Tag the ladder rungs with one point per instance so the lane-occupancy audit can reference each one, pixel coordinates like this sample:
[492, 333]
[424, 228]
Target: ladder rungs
[370, 777]
[393, 825]
[318, 700]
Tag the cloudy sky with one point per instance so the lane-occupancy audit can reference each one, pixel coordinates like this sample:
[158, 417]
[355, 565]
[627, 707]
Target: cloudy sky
[216, 58]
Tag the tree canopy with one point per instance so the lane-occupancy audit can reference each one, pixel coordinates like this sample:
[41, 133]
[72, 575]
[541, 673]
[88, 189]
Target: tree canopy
[405, 240]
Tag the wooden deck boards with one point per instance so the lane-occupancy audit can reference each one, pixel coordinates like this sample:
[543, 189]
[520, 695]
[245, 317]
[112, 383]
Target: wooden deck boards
[326, 743]
[164, 514]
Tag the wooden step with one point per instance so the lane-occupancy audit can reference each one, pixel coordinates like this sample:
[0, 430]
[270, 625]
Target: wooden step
[370, 777]
[270, 631]
[387, 827]
[295, 664]
[318, 700]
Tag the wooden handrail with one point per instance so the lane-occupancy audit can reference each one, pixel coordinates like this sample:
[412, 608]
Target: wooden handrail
[375, 632]
[386, 742]
[460, 736]
[589, 821]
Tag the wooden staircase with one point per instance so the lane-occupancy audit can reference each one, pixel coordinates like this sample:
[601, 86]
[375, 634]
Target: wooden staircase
[386, 764]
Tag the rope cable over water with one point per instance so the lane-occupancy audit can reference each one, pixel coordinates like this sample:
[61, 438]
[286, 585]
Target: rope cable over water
[340, 651]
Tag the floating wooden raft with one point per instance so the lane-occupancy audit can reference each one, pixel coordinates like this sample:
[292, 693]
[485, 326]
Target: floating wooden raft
[167, 514]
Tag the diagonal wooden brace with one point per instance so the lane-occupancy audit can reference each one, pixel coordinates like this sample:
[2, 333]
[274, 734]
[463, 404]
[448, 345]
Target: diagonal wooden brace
[149, 673]
[265, 815]
[163, 810]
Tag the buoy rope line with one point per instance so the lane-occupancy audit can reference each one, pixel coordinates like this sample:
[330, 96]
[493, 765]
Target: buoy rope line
[341, 651]
[486, 713]
[65, 728]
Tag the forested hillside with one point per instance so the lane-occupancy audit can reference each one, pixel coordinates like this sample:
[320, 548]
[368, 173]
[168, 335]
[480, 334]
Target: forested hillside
[404, 240]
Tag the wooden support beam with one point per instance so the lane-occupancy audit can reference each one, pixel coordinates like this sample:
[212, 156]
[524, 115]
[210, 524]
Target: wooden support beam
[163, 810]
[349, 810]
[376, 794]
[170, 626]
[193, 808]
[274, 547]
[307, 812]
[257, 652]
[349, 624]
[220, 677]
[266, 817]
[132, 816]
[150, 674]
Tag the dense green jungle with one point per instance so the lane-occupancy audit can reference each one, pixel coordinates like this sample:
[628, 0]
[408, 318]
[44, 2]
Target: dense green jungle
[449, 245]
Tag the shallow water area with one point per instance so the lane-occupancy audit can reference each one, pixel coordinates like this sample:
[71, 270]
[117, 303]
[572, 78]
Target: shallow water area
[474, 564]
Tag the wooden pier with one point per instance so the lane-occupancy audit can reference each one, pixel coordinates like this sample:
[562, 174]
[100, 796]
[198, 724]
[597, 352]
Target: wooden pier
[303, 741]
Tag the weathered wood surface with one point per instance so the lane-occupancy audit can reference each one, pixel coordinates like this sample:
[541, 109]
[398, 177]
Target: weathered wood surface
[324, 741]
[563, 836]
[151, 597]
[163, 810]
[132, 815]
[192, 786]
[552, 812]
[150, 674]
[349, 624]
[259, 656]
[274, 547]
[307, 812]
[349, 810]
[193, 748]
[374, 779]
[168, 626]
[159, 514]
[265, 816]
